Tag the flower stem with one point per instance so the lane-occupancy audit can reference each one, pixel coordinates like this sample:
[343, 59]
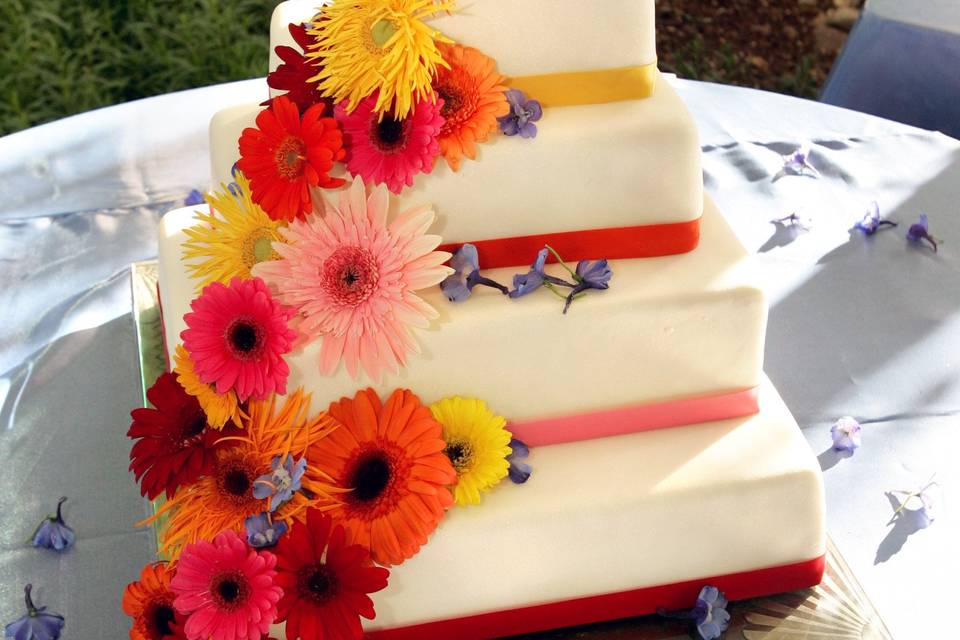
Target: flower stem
[563, 264]
[59, 507]
[31, 608]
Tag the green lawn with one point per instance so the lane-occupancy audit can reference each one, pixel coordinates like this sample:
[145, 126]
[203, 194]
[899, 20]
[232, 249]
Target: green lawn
[59, 57]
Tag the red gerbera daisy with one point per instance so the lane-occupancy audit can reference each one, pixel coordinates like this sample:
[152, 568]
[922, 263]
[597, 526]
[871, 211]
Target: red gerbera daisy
[149, 601]
[227, 589]
[293, 75]
[236, 336]
[285, 155]
[174, 446]
[325, 581]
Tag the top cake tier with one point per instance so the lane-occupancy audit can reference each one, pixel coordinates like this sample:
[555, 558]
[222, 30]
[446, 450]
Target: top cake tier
[528, 37]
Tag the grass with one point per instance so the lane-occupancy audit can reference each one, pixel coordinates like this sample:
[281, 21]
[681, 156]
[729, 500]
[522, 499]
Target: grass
[60, 57]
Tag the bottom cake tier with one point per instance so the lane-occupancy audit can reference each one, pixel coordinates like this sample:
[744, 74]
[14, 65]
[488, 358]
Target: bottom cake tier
[618, 527]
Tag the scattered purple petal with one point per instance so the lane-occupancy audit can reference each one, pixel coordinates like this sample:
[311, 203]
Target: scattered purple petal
[920, 231]
[872, 221]
[523, 113]
[846, 434]
[519, 471]
[793, 220]
[591, 274]
[466, 275]
[928, 499]
[193, 198]
[53, 532]
[36, 624]
[799, 162]
[262, 531]
[524, 283]
[710, 613]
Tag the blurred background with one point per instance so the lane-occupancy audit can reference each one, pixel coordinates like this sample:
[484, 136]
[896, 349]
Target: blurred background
[899, 59]
[60, 57]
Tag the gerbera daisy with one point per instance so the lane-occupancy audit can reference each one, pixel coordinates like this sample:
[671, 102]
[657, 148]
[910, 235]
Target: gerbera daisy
[235, 235]
[173, 445]
[285, 155]
[325, 582]
[390, 458]
[236, 337]
[478, 444]
[295, 74]
[149, 601]
[227, 589]
[388, 150]
[218, 407]
[473, 95]
[224, 497]
[367, 46]
[352, 278]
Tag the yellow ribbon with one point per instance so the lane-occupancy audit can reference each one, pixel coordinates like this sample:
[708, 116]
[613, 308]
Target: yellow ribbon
[589, 87]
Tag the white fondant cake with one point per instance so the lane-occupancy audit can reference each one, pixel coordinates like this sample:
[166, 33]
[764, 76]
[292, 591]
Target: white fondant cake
[671, 327]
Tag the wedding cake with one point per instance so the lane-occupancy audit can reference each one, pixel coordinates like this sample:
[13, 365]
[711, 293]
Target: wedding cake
[382, 360]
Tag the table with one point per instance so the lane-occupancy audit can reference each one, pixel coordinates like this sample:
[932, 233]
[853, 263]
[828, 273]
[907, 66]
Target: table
[863, 326]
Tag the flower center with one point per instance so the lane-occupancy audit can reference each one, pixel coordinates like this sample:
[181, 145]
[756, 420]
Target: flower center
[230, 590]
[236, 482]
[390, 135]
[191, 427]
[381, 32]
[245, 338]
[350, 275]
[460, 453]
[289, 157]
[257, 247]
[370, 477]
[235, 474]
[158, 618]
[317, 582]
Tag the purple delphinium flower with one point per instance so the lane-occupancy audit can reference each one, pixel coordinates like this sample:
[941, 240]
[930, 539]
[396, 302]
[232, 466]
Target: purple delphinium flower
[872, 222]
[710, 613]
[519, 471]
[920, 230]
[193, 198]
[524, 283]
[36, 624]
[799, 161]
[846, 434]
[280, 484]
[591, 274]
[523, 114]
[53, 532]
[466, 275]
[262, 531]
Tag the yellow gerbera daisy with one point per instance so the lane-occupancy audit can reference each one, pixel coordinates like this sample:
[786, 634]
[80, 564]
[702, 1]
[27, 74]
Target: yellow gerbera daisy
[224, 497]
[477, 445]
[363, 46]
[229, 242]
[218, 407]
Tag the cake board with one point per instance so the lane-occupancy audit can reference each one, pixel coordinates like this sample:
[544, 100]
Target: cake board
[837, 608]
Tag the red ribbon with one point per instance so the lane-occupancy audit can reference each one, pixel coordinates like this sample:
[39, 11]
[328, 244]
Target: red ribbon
[611, 606]
[643, 241]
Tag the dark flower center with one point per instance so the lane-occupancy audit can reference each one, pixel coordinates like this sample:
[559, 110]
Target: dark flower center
[390, 134]
[317, 583]
[230, 590]
[452, 100]
[289, 157]
[159, 618]
[350, 275]
[236, 482]
[460, 453]
[370, 477]
[245, 338]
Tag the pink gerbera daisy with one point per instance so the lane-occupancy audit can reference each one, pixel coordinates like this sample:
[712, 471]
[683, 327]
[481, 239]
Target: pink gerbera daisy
[236, 337]
[227, 589]
[352, 277]
[389, 151]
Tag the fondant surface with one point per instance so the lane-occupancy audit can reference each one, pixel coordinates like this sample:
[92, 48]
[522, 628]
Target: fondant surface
[528, 37]
[668, 328]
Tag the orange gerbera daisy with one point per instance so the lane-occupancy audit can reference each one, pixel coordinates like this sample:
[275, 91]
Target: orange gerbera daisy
[474, 96]
[224, 497]
[389, 456]
[149, 601]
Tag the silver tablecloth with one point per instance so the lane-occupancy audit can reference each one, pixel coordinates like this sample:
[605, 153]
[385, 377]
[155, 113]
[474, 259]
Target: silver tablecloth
[867, 327]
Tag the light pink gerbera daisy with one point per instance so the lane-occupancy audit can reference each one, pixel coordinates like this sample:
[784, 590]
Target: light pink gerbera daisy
[389, 151]
[227, 589]
[236, 336]
[352, 277]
